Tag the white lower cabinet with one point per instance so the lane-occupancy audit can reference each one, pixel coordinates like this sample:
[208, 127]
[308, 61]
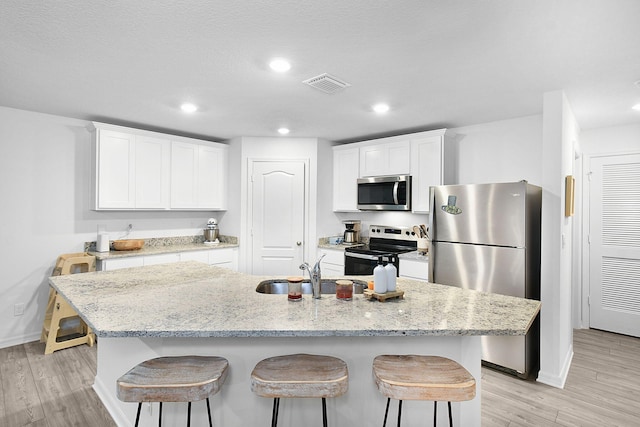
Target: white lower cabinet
[226, 257]
[332, 264]
[118, 263]
[161, 259]
[416, 270]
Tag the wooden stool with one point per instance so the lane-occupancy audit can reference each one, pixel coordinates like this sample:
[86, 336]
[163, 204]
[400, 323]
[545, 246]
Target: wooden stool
[59, 312]
[412, 377]
[300, 375]
[173, 379]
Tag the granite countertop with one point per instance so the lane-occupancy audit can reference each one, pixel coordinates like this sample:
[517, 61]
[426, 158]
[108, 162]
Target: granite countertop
[414, 256]
[338, 247]
[192, 299]
[164, 245]
[155, 250]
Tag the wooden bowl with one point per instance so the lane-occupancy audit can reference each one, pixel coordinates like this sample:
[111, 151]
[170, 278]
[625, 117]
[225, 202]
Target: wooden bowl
[128, 244]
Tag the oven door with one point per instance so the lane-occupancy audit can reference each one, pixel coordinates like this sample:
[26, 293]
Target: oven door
[356, 264]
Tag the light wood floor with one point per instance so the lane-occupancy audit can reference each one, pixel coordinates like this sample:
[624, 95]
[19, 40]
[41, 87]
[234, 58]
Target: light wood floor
[602, 389]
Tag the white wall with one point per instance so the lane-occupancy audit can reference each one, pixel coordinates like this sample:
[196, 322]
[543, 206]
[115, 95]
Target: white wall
[45, 193]
[610, 140]
[501, 151]
[560, 133]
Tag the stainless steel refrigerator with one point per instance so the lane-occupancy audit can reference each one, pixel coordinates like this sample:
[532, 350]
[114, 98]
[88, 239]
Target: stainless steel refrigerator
[486, 237]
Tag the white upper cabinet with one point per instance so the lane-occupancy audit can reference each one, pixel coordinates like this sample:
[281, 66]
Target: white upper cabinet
[198, 176]
[184, 175]
[115, 170]
[212, 172]
[152, 172]
[136, 169]
[386, 158]
[345, 176]
[428, 153]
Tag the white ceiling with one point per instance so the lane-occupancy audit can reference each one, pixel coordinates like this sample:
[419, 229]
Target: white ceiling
[437, 63]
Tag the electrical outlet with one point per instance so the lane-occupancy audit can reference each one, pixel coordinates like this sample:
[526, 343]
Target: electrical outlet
[150, 408]
[18, 309]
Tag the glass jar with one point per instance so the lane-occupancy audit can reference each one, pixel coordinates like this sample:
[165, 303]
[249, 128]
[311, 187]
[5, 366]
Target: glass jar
[295, 288]
[344, 290]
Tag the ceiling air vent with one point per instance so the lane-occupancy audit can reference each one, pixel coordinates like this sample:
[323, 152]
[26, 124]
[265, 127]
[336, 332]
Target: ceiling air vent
[326, 83]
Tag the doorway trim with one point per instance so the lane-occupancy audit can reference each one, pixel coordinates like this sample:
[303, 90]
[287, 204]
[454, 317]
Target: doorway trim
[586, 218]
[248, 206]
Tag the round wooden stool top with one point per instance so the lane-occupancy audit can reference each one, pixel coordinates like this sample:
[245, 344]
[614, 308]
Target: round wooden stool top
[300, 375]
[173, 379]
[412, 377]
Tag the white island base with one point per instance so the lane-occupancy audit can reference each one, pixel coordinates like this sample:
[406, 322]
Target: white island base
[237, 406]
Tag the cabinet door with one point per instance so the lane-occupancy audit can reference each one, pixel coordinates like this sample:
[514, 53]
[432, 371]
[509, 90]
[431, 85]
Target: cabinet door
[372, 160]
[211, 177]
[398, 158]
[115, 170]
[202, 256]
[118, 263]
[184, 175]
[161, 258]
[426, 170]
[417, 270]
[152, 172]
[345, 177]
[227, 258]
[382, 159]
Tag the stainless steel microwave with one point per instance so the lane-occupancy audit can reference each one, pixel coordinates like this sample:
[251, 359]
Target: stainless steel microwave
[385, 193]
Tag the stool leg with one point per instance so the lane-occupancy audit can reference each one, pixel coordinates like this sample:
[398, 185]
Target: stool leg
[138, 414]
[209, 412]
[450, 419]
[160, 416]
[386, 411]
[399, 412]
[189, 415]
[435, 413]
[274, 412]
[324, 412]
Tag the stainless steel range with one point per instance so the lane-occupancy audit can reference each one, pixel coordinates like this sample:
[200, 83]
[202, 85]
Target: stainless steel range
[385, 241]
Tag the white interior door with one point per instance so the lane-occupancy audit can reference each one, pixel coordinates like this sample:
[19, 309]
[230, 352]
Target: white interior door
[277, 217]
[614, 253]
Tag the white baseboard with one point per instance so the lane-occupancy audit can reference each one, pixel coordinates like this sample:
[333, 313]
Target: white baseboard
[557, 380]
[19, 340]
[111, 404]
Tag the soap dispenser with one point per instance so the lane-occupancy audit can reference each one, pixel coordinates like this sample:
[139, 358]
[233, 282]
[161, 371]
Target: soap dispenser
[391, 272]
[379, 278]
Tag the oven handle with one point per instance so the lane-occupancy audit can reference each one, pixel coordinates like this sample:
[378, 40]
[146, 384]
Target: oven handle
[368, 257]
[395, 192]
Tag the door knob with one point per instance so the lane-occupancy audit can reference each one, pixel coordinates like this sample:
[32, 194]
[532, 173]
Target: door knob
[298, 243]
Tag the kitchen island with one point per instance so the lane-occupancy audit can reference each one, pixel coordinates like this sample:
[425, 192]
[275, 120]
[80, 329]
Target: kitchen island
[193, 308]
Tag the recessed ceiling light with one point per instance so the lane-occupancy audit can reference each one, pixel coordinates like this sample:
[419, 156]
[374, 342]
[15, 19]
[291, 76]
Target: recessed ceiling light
[188, 108]
[380, 108]
[636, 107]
[283, 131]
[280, 65]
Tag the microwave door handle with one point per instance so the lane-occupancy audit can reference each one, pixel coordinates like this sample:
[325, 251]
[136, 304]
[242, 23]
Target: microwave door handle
[395, 193]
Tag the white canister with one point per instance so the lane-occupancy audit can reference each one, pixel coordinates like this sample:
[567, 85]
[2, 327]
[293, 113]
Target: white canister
[392, 272]
[379, 278]
[102, 245]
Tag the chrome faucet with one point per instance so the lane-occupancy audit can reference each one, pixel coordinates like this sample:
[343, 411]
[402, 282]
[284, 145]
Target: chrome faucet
[315, 276]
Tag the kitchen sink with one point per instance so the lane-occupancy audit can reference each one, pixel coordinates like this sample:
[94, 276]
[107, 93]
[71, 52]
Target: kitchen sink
[327, 286]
